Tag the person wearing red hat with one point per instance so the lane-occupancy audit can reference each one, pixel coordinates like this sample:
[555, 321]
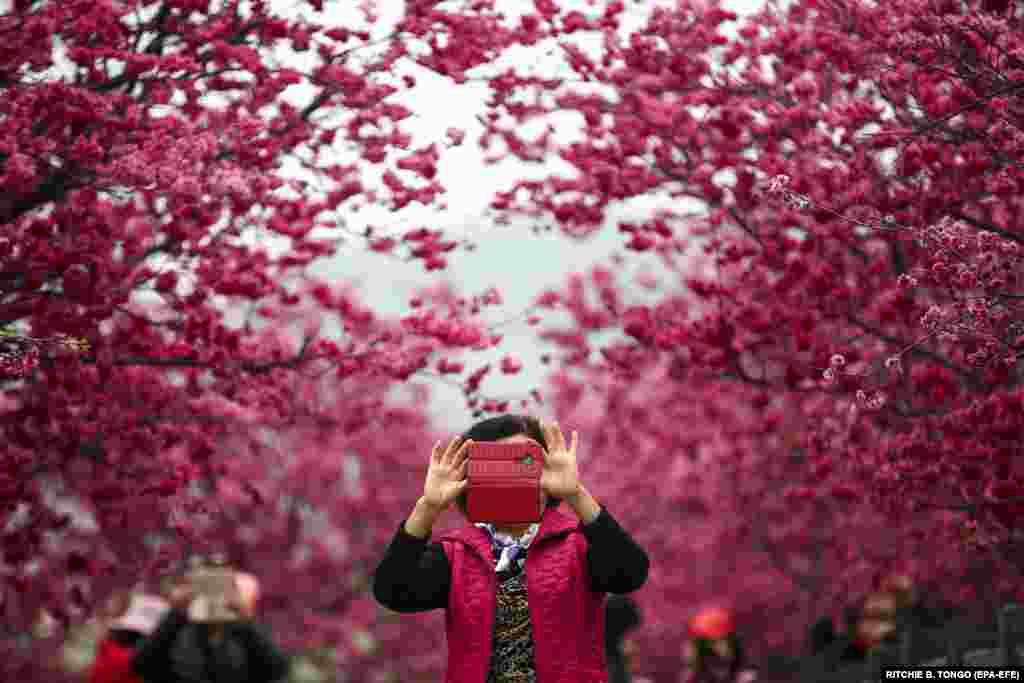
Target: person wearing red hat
[714, 653]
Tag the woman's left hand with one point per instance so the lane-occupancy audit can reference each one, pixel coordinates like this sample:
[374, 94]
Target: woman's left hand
[238, 603]
[560, 476]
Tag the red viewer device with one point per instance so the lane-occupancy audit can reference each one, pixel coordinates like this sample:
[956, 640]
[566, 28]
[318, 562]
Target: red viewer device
[504, 483]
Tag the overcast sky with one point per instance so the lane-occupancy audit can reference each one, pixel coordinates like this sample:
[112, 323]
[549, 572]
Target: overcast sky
[511, 258]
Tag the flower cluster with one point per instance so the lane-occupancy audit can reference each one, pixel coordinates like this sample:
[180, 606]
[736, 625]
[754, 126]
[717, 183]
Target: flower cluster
[855, 257]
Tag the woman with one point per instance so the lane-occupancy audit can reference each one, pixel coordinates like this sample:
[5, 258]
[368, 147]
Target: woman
[523, 603]
[182, 650]
[872, 624]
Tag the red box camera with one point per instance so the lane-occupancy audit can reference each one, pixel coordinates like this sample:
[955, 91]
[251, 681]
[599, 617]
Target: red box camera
[504, 483]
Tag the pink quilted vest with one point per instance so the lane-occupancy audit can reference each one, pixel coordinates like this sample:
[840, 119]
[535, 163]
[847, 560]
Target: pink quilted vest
[567, 617]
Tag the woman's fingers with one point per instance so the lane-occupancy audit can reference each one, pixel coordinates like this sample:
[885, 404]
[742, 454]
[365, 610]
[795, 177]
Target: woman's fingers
[435, 452]
[457, 483]
[454, 453]
[463, 452]
[460, 464]
[549, 437]
[449, 452]
[554, 437]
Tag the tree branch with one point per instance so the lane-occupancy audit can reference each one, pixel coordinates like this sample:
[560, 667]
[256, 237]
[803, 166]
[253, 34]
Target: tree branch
[972, 506]
[254, 367]
[972, 379]
[983, 225]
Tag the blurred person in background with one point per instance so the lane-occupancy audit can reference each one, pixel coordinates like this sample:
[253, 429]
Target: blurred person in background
[621, 616]
[497, 631]
[189, 646]
[130, 618]
[876, 622]
[912, 609]
[887, 611]
[714, 653]
[867, 626]
[820, 637]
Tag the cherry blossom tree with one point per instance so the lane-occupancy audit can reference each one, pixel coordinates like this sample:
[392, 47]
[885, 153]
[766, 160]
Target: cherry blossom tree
[857, 166]
[165, 198]
[854, 273]
[712, 478]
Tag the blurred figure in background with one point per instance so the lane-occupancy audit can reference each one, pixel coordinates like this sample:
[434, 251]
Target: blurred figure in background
[876, 622]
[714, 653]
[210, 637]
[913, 610]
[821, 637]
[130, 618]
[621, 615]
[867, 626]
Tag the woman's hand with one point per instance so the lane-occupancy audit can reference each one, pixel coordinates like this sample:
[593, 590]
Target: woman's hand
[182, 595]
[560, 477]
[446, 475]
[237, 602]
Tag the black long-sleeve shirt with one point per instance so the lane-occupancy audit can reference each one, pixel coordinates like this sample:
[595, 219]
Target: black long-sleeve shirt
[152, 660]
[415, 575]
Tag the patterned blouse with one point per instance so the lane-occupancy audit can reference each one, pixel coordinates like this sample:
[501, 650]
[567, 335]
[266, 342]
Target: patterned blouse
[512, 656]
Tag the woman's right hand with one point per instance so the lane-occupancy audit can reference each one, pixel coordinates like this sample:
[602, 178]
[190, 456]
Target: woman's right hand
[446, 475]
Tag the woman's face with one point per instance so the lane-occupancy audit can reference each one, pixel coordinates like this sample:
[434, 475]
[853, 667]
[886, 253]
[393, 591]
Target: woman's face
[718, 665]
[878, 620]
[523, 438]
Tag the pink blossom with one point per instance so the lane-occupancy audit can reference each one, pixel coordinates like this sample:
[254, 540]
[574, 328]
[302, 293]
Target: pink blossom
[455, 136]
[906, 281]
[510, 365]
[422, 162]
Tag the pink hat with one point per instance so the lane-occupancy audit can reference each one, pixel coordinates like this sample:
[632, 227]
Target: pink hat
[143, 614]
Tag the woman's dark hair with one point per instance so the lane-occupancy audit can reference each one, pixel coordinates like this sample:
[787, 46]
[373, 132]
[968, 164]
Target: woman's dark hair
[501, 427]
